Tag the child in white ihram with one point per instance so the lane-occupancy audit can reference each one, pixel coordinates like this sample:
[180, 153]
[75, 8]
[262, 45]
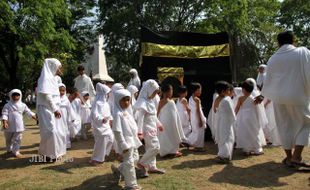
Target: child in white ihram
[184, 111]
[13, 124]
[250, 120]
[85, 114]
[198, 120]
[126, 135]
[101, 121]
[225, 124]
[149, 123]
[67, 113]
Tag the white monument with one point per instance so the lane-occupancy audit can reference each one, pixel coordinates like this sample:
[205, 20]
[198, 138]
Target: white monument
[96, 65]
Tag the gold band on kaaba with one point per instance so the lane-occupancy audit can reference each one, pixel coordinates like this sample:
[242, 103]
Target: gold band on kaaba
[181, 51]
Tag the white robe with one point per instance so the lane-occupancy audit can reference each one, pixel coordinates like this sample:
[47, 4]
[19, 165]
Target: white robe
[84, 83]
[287, 85]
[85, 112]
[225, 125]
[212, 119]
[274, 137]
[249, 122]
[172, 135]
[76, 126]
[184, 116]
[67, 117]
[48, 101]
[197, 137]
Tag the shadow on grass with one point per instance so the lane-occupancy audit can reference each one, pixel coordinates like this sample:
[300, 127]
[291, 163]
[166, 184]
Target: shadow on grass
[193, 164]
[13, 163]
[256, 176]
[102, 182]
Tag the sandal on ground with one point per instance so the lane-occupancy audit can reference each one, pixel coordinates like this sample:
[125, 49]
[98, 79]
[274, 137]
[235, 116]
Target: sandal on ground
[287, 163]
[157, 171]
[301, 163]
[94, 162]
[142, 171]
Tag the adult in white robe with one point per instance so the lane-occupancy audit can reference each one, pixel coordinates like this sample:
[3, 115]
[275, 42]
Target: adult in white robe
[172, 136]
[134, 80]
[101, 117]
[225, 128]
[126, 135]
[67, 116]
[197, 137]
[12, 114]
[84, 83]
[48, 101]
[261, 75]
[287, 85]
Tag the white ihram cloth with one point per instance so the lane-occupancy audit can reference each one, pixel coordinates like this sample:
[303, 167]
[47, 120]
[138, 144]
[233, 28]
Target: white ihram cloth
[172, 135]
[225, 125]
[48, 101]
[67, 116]
[102, 131]
[84, 83]
[13, 113]
[76, 126]
[148, 122]
[212, 119]
[250, 120]
[135, 80]
[273, 135]
[197, 137]
[85, 110]
[287, 85]
[126, 135]
[261, 76]
[184, 116]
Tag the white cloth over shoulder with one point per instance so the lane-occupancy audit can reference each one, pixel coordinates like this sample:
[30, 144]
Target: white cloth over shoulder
[225, 128]
[84, 83]
[184, 117]
[172, 135]
[288, 80]
[196, 138]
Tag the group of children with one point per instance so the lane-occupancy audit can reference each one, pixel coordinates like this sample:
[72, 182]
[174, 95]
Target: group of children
[121, 120]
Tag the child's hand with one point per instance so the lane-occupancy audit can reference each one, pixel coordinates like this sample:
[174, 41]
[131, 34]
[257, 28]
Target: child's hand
[197, 100]
[161, 128]
[5, 124]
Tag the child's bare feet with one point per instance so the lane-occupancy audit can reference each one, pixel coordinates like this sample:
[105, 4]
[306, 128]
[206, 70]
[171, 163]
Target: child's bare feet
[18, 155]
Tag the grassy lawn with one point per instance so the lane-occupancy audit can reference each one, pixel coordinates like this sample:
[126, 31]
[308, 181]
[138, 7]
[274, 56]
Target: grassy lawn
[196, 171]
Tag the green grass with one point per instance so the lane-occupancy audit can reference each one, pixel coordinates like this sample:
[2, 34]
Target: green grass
[193, 171]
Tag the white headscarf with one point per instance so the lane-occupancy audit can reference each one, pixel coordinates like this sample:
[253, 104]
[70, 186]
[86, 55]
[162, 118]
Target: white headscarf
[102, 92]
[118, 95]
[261, 76]
[132, 89]
[47, 83]
[255, 91]
[135, 80]
[61, 85]
[143, 101]
[17, 106]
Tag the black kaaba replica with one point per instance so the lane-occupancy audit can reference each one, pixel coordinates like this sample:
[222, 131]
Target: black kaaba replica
[184, 57]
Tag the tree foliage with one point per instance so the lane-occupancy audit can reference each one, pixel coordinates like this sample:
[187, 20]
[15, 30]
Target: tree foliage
[33, 30]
